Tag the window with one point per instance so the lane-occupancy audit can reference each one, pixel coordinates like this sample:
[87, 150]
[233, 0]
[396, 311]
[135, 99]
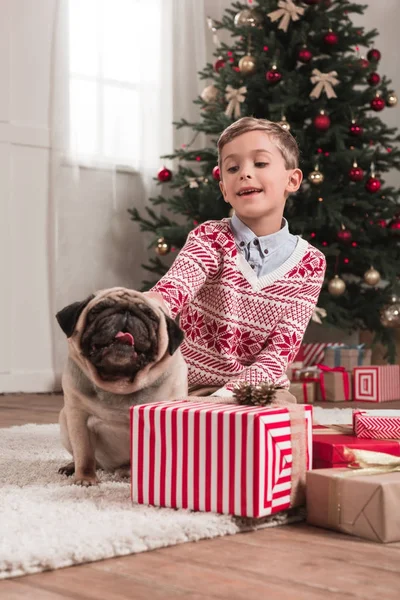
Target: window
[111, 53]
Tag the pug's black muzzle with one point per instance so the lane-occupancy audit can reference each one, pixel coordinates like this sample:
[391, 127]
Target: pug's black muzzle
[120, 338]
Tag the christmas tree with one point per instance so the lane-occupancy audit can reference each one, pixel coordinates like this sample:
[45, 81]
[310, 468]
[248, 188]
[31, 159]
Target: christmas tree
[308, 66]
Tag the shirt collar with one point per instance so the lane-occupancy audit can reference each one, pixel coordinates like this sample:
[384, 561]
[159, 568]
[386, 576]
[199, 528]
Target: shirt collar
[269, 242]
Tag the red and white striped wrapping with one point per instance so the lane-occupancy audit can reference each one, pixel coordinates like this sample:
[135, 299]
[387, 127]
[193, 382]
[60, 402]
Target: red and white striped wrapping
[214, 457]
[313, 354]
[377, 425]
[376, 384]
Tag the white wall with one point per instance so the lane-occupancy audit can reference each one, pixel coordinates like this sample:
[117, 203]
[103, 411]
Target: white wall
[27, 358]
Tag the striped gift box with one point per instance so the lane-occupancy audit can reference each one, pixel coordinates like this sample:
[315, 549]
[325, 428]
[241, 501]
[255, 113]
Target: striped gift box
[223, 458]
[376, 383]
[313, 354]
[377, 425]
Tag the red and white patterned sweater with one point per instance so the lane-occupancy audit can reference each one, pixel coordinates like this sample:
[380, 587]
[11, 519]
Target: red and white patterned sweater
[237, 326]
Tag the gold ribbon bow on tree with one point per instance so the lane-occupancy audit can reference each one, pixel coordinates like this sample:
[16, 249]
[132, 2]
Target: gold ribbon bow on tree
[287, 11]
[324, 83]
[234, 98]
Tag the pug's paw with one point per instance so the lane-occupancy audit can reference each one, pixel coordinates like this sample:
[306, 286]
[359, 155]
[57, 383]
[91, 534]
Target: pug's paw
[68, 469]
[123, 472]
[85, 480]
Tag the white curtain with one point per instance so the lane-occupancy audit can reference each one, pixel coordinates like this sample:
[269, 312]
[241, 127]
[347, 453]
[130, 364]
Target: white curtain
[104, 155]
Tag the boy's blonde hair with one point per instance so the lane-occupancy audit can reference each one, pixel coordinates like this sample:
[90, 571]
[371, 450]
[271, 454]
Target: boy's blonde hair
[283, 140]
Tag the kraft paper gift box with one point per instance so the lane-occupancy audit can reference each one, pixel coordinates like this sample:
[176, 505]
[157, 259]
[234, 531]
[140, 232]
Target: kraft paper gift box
[340, 355]
[359, 504]
[225, 458]
[377, 424]
[376, 383]
[303, 391]
[334, 384]
[329, 446]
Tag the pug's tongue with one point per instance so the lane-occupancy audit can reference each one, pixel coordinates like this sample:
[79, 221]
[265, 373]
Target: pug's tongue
[124, 337]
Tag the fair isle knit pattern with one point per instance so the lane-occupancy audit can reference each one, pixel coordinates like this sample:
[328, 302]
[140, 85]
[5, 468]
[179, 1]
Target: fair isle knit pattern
[239, 327]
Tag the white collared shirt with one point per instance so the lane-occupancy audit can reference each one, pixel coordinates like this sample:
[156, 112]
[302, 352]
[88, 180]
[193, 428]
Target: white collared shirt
[266, 253]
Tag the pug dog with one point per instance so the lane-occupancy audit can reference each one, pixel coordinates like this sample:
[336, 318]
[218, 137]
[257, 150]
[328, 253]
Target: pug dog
[123, 350]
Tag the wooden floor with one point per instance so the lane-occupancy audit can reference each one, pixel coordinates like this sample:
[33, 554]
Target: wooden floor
[284, 563]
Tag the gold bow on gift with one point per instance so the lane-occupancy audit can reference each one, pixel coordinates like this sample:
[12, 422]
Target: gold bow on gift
[366, 462]
[287, 10]
[324, 83]
[234, 98]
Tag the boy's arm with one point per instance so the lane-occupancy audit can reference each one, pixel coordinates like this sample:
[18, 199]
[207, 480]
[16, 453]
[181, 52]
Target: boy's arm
[284, 342]
[196, 261]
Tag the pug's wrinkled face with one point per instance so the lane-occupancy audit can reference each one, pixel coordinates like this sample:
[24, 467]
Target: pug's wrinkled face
[120, 338]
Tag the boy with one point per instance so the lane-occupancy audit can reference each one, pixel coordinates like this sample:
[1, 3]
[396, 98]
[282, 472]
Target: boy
[245, 288]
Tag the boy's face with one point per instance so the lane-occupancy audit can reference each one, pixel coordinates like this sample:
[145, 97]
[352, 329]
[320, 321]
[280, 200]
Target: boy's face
[255, 181]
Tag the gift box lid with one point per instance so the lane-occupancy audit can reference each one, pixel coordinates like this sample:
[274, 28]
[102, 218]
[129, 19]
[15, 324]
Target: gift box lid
[330, 447]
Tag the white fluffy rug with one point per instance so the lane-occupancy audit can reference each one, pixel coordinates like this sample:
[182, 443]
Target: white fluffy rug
[47, 523]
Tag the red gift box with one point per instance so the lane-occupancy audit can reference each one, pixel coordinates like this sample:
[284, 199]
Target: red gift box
[377, 383]
[231, 459]
[377, 425]
[329, 448]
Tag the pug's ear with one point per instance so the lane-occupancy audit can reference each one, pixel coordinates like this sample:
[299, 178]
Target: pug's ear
[175, 335]
[68, 316]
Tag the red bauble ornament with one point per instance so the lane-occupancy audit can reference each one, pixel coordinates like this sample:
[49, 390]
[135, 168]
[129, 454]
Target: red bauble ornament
[219, 64]
[344, 235]
[216, 173]
[356, 129]
[374, 78]
[395, 226]
[382, 223]
[378, 103]
[322, 122]
[304, 55]
[364, 63]
[356, 173]
[373, 185]
[374, 55]
[273, 76]
[164, 174]
[331, 38]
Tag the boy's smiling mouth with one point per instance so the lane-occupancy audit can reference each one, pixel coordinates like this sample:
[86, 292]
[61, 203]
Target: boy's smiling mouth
[249, 191]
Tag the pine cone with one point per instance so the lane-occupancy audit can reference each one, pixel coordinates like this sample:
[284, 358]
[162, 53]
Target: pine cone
[242, 393]
[263, 394]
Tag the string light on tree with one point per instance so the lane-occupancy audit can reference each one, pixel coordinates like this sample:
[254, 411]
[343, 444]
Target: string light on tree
[394, 226]
[336, 286]
[372, 276]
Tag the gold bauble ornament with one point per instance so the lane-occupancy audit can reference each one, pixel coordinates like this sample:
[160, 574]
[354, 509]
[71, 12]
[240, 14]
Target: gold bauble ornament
[316, 177]
[162, 247]
[336, 286]
[247, 64]
[284, 124]
[210, 94]
[390, 315]
[391, 99]
[372, 276]
[248, 18]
